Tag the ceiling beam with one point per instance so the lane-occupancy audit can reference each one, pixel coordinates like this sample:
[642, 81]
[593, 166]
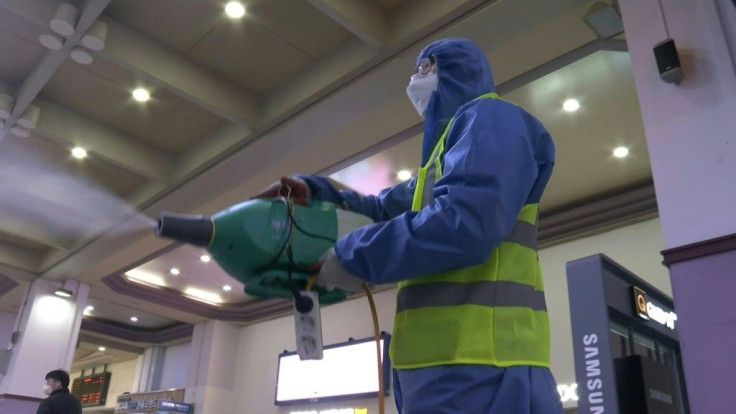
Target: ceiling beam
[32, 231]
[410, 25]
[16, 273]
[366, 19]
[96, 341]
[209, 150]
[67, 127]
[24, 259]
[559, 63]
[419, 18]
[159, 65]
[51, 60]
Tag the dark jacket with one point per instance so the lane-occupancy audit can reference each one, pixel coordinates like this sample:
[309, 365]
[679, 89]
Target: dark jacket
[60, 402]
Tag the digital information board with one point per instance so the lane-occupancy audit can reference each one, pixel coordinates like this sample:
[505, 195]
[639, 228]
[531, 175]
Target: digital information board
[91, 390]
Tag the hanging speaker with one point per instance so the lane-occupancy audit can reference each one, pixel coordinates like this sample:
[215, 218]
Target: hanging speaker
[668, 62]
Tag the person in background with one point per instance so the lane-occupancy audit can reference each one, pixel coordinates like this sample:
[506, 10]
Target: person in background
[59, 400]
[471, 330]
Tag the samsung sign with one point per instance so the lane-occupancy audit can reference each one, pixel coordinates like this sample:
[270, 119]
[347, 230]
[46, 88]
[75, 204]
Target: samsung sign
[649, 311]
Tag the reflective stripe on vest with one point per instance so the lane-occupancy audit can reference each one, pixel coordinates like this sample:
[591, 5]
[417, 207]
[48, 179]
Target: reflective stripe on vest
[493, 313]
[486, 293]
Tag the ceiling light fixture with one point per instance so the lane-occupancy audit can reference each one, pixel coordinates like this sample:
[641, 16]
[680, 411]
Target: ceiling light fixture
[64, 293]
[6, 105]
[102, 349]
[19, 131]
[79, 152]
[133, 319]
[29, 119]
[227, 288]
[235, 10]
[404, 175]
[620, 152]
[571, 105]
[81, 56]
[174, 271]
[205, 258]
[141, 95]
[64, 20]
[89, 308]
[94, 39]
[51, 41]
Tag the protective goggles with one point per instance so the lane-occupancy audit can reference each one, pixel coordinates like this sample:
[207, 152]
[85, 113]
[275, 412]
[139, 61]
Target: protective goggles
[426, 66]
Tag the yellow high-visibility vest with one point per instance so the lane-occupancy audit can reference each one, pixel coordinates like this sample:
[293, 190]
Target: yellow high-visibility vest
[489, 314]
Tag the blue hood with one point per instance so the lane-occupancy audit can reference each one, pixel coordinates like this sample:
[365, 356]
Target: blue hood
[464, 74]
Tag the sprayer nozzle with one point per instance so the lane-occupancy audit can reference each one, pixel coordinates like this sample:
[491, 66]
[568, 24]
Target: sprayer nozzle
[196, 230]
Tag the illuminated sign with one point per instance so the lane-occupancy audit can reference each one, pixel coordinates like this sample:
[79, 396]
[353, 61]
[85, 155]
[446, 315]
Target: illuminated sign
[91, 390]
[649, 311]
[568, 392]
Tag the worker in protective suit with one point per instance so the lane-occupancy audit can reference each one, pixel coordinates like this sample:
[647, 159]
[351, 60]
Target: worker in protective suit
[471, 331]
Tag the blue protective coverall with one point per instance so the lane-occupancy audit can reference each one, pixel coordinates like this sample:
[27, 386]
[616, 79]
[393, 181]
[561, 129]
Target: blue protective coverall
[498, 157]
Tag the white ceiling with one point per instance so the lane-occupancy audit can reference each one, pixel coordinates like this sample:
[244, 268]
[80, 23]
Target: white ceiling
[295, 86]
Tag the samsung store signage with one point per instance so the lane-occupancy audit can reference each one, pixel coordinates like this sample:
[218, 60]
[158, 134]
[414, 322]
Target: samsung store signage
[647, 310]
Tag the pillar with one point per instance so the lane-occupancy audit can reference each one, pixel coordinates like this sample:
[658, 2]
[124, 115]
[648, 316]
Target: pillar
[691, 137]
[213, 366]
[45, 339]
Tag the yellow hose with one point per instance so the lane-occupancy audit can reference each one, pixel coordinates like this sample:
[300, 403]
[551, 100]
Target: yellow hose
[377, 335]
[311, 281]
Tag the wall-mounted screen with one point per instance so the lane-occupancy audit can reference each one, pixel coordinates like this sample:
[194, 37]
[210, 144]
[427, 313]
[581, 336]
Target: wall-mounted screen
[91, 390]
[348, 370]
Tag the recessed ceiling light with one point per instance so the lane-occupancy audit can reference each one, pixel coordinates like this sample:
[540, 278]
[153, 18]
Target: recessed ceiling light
[89, 308]
[205, 258]
[404, 175]
[79, 152]
[571, 105]
[133, 319]
[141, 95]
[174, 271]
[620, 152]
[227, 288]
[235, 10]
[102, 349]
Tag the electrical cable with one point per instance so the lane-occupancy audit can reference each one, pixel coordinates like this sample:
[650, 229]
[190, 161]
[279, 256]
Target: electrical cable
[377, 334]
[299, 298]
[664, 20]
[306, 233]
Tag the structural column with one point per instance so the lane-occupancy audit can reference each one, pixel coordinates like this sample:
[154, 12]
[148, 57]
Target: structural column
[150, 368]
[213, 367]
[691, 136]
[44, 339]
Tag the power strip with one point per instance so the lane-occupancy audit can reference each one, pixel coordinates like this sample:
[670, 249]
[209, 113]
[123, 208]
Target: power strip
[308, 329]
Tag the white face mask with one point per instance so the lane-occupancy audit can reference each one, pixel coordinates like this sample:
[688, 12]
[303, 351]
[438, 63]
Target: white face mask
[420, 90]
[47, 389]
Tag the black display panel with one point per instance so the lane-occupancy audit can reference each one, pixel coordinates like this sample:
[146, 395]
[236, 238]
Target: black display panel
[91, 390]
